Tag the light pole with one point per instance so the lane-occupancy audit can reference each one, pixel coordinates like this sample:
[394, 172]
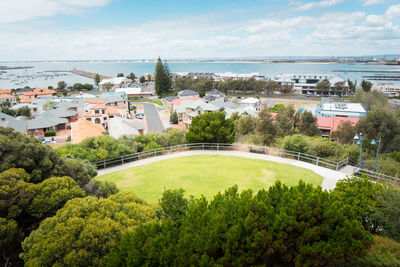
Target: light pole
[377, 153]
[358, 138]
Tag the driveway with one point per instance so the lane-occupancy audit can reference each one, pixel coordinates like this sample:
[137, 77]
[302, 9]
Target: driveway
[153, 120]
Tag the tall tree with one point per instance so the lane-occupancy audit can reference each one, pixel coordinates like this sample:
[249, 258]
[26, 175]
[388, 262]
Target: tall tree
[308, 124]
[266, 127]
[338, 88]
[163, 81]
[131, 76]
[120, 74]
[142, 79]
[366, 86]
[97, 79]
[287, 121]
[344, 133]
[323, 87]
[61, 85]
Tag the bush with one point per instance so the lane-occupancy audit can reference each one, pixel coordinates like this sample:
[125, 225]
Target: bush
[384, 252]
[174, 118]
[50, 133]
[295, 143]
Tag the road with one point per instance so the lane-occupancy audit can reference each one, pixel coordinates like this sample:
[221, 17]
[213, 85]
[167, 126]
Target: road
[153, 120]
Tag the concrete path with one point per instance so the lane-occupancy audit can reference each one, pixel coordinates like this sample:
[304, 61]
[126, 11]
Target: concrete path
[154, 123]
[330, 176]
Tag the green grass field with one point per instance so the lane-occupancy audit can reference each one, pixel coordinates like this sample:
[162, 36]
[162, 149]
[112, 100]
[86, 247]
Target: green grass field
[206, 175]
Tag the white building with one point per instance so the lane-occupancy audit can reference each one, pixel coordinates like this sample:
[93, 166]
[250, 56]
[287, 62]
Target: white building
[391, 89]
[135, 92]
[116, 82]
[306, 83]
[250, 102]
[236, 76]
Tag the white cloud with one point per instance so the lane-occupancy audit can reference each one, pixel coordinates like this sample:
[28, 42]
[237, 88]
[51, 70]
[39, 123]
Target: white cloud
[372, 2]
[324, 3]
[393, 12]
[23, 10]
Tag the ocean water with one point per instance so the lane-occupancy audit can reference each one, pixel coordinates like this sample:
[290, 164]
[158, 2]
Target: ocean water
[42, 75]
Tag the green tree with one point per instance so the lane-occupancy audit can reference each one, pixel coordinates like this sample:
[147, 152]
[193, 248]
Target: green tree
[24, 111]
[211, 127]
[89, 227]
[371, 100]
[100, 189]
[245, 125]
[8, 111]
[120, 75]
[131, 76]
[174, 118]
[97, 79]
[323, 87]
[308, 124]
[163, 82]
[338, 88]
[142, 79]
[301, 225]
[295, 143]
[287, 121]
[266, 128]
[344, 133]
[174, 204]
[366, 86]
[61, 85]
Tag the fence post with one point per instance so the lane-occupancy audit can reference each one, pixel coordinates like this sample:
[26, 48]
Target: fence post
[347, 161]
[186, 148]
[155, 152]
[337, 165]
[122, 159]
[265, 150]
[298, 155]
[202, 146]
[217, 146]
[104, 163]
[317, 161]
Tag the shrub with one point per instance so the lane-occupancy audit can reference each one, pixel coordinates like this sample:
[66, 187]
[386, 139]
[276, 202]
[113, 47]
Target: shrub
[50, 133]
[295, 143]
[384, 252]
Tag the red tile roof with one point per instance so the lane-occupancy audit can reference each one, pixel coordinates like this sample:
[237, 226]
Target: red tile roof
[6, 96]
[179, 101]
[96, 101]
[99, 106]
[333, 123]
[5, 91]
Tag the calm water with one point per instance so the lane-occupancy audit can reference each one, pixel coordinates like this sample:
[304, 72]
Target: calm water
[35, 77]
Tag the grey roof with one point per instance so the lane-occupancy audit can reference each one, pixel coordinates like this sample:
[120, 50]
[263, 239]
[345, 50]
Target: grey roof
[224, 104]
[119, 127]
[59, 113]
[187, 93]
[170, 98]
[7, 121]
[209, 98]
[69, 104]
[44, 122]
[215, 92]
[18, 106]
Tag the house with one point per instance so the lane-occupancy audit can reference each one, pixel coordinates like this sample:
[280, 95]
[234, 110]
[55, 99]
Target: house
[237, 76]
[113, 83]
[33, 108]
[187, 94]
[82, 129]
[18, 124]
[250, 102]
[5, 91]
[135, 92]
[40, 125]
[38, 92]
[215, 95]
[8, 98]
[118, 127]
[188, 109]
[99, 113]
[77, 105]
[329, 124]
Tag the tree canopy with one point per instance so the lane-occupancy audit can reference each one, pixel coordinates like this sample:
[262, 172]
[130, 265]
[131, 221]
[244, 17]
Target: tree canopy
[211, 127]
[163, 81]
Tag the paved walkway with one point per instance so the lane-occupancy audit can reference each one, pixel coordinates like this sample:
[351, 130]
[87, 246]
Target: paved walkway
[330, 176]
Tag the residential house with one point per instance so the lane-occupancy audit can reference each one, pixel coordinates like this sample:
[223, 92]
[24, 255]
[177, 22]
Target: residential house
[28, 96]
[33, 108]
[185, 94]
[40, 125]
[215, 95]
[5, 91]
[8, 98]
[118, 127]
[250, 102]
[82, 129]
[18, 124]
[327, 108]
[135, 92]
[113, 83]
[329, 124]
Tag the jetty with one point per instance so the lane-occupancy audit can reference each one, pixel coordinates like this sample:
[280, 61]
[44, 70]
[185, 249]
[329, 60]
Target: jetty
[88, 74]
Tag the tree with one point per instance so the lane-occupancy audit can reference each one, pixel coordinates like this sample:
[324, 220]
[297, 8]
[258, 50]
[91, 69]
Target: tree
[174, 118]
[61, 85]
[173, 204]
[142, 79]
[265, 127]
[245, 125]
[287, 121]
[344, 133]
[323, 87]
[24, 111]
[379, 123]
[131, 76]
[366, 86]
[163, 82]
[352, 86]
[120, 75]
[295, 143]
[97, 79]
[371, 100]
[308, 124]
[301, 225]
[8, 111]
[338, 88]
[6, 104]
[100, 189]
[89, 227]
[211, 127]
[108, 86]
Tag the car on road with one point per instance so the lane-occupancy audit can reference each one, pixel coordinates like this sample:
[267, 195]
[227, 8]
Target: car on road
[139, 115]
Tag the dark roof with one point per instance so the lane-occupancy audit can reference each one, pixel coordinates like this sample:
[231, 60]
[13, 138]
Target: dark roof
[187, 93]
[215, 92]
[170, 98]
[209, 98]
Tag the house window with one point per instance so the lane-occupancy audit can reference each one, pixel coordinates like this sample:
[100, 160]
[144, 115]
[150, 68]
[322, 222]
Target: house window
[97, 121]
[103, 111]
[88, 119]
[96, 112]
[105, 118]
[111, 117]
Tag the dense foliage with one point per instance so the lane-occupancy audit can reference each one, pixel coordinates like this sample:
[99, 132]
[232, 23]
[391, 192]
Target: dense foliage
[39, 161]
[163, 81]
[211, 127]
[84, 231]
[105, 147]
[301, 225]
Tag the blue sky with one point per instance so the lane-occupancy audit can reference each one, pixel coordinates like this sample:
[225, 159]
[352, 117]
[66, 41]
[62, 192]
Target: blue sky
[137, 29]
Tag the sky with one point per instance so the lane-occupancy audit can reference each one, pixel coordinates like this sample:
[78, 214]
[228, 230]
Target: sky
[138, 29]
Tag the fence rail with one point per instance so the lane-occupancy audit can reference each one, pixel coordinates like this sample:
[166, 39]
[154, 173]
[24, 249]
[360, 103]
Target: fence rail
[335, 165]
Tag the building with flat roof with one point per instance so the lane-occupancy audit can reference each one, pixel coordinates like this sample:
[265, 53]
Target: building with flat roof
[327, 109]
[390, 89]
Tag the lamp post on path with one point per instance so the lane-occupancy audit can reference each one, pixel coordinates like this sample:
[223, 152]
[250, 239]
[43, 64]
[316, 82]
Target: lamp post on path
[377, 153]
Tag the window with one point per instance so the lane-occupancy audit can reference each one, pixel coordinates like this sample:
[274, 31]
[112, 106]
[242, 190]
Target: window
[103, 111]
[96, 111]
[97, 121]
[105, 118]
[88, 119]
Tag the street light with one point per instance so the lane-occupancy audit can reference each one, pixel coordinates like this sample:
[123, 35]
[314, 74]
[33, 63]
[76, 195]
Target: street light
[358, 139]
[377, 153]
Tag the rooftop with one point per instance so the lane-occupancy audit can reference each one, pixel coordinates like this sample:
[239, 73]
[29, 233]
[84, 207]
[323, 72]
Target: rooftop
[83, 129]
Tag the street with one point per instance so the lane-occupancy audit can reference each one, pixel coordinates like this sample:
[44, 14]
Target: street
[154, 123]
